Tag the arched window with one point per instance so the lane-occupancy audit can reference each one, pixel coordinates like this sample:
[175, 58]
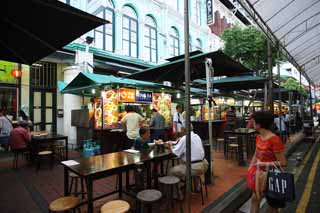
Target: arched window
[198, 44]
[150, 39]
[129, 32]
[197, 11]
[174, 42]
[104, 35]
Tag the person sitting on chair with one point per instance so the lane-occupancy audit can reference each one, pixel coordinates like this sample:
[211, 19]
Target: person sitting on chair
[199, 164]
[20, 136]
[141, 143]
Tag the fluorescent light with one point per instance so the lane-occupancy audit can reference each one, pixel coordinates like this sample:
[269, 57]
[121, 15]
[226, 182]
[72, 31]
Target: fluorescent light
[124, 73]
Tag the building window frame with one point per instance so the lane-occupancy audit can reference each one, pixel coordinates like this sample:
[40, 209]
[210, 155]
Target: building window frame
[104, 11]
[174, 42]
[131, 31]
[149, 47]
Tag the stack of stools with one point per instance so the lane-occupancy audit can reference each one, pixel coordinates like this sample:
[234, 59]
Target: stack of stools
[115, 206]
[74, 185]
[61, 204]
[146, 199]
[44, 155]
[170, 183]
[232, 146]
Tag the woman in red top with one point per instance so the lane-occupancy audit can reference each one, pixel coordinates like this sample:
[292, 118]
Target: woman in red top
[269, 152]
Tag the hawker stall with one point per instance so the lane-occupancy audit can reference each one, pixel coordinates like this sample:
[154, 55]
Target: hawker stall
[111, 96]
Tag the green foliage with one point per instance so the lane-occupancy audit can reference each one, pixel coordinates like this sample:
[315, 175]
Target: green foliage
[248, 46]
[294, 84]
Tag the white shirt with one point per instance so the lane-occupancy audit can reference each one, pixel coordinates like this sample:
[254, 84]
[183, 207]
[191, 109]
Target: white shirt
[132, 121]
[176, 118]
[197, 151]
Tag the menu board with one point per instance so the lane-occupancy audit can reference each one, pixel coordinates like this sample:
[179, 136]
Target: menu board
[162, 103]
[110, 108]
[143, 96]
[97, 113]
[127, 95]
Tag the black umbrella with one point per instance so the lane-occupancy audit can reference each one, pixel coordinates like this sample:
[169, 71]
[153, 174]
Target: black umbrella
[33, 29]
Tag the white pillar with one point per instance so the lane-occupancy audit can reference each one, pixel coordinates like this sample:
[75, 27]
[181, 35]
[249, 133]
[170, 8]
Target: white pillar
[70, 102]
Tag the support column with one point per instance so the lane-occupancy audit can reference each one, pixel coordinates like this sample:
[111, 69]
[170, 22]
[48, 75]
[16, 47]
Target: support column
[270, 86]
[70, 102]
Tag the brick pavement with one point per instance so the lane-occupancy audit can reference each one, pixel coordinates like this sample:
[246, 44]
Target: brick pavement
[37, 189]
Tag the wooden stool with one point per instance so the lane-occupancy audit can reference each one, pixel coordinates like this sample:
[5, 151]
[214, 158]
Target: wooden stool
[232, 146]
[64, 204]
[60, 151]
[219, 143]
[74, 180]
[17, 153]
[42, 155]
[147, 198]
[195, 179]
[115, 206]
[171, 183]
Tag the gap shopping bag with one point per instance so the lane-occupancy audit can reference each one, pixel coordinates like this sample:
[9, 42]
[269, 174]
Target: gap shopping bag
[280, 186]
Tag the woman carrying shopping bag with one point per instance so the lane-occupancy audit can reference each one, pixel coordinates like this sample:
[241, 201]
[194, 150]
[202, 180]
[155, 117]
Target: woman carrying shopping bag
[269, 152]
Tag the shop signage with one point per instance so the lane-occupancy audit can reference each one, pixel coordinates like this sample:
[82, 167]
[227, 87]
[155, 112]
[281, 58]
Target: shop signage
[143, 96]
[209, 12]
[127, 95]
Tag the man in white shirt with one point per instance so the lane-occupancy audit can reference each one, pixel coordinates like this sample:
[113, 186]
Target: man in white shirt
[177, 121]
[199, 164]
[133, 122]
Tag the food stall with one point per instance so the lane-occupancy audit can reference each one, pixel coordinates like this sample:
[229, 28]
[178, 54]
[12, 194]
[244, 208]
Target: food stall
[200, 117]
[110, 108]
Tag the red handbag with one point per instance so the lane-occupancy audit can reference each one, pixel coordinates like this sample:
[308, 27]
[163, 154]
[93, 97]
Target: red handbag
[251, 177]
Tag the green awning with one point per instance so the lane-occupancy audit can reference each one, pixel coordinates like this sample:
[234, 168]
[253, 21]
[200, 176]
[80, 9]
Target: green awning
[243, 82]
[284, 94]
[174, 71]
[87, 81]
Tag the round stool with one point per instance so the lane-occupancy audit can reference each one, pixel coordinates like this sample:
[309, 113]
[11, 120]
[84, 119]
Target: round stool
[219, 143]
[171, 183]
[42, 155]
[147, 198]
[115, 206]
[64, 204]
[74, 182]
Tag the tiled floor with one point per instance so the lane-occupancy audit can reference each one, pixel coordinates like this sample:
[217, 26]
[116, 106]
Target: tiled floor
[25, 190]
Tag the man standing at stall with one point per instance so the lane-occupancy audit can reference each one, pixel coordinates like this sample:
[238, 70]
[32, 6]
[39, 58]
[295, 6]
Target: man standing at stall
[133, 122]
[157, 124]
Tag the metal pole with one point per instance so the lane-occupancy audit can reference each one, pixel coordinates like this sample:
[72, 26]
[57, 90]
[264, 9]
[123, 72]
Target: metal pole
[270, 91]
[280, 108]
[209, 73]
[310, 94]
[301, 98]
[265, 96]
[290, 112]
[187, 103]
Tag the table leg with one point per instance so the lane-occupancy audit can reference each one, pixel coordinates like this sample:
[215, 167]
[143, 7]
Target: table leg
[148, 175]
[155, 174]
[241, 160]
[67, 147]
[128, 180]
[66, 181]
[120, 184]
[90, 194]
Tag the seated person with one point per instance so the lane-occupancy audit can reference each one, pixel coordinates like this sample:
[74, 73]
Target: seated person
[20, 136]
[199, 164]
[141, 143]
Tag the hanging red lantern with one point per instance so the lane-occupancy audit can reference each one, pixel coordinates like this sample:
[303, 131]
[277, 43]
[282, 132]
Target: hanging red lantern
[16, 73]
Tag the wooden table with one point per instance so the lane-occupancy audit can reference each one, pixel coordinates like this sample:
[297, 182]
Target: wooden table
[38, 138]
[100, 166]
[243, 135]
